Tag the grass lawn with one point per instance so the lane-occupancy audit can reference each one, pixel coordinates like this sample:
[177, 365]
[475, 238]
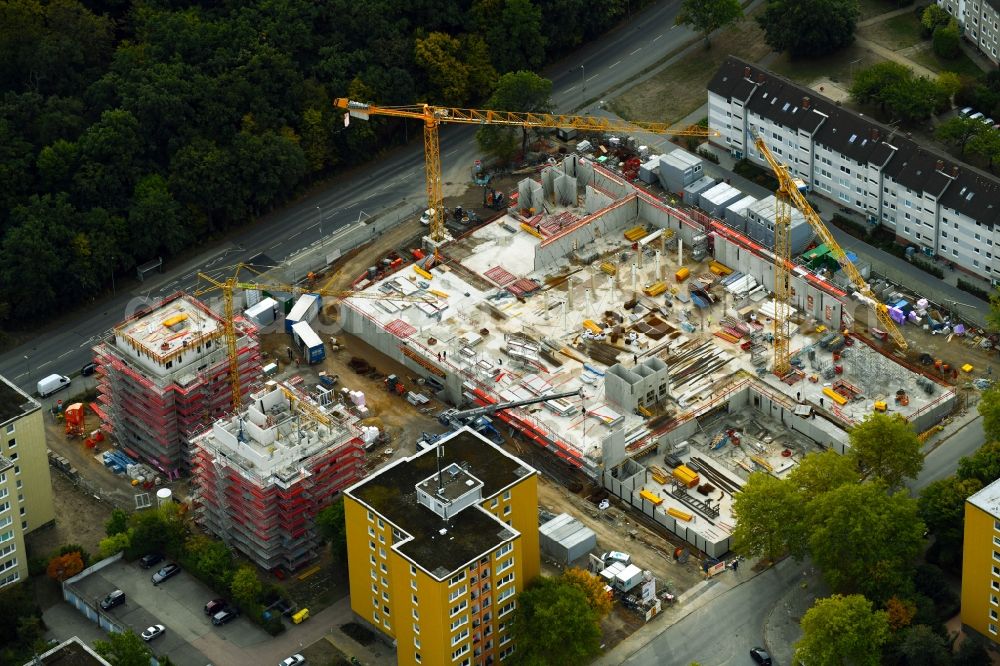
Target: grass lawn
[960, 65]
[839, 66]
[679, 89]
[894, 33]
[872, 8]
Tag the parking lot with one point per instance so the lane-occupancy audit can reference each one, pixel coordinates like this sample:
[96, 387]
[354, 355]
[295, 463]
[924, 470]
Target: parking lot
[177, 603]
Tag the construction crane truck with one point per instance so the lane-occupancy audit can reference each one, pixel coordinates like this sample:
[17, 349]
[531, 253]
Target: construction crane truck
[478, 419]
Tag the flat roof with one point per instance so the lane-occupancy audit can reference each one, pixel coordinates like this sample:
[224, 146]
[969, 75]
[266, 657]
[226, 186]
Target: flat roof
[14, 402]
[177, 323]
[988, 499]
[472, 532]
[71, 652]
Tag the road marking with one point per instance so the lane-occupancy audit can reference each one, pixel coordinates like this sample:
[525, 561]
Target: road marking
[44, 364]
[593, 77]
[65, 354]
[615, 65]
[373, 194]
[570, 88]
[313, 226]
[451, 152]
[295, 235]
[658, 36]
[636, 51]
[671, 27]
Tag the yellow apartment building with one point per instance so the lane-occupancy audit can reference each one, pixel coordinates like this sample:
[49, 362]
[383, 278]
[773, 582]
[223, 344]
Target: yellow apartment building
[439, 546]
[981, 563]
[25, 486]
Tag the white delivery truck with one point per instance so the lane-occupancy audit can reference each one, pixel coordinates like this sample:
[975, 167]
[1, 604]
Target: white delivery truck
[52, 384]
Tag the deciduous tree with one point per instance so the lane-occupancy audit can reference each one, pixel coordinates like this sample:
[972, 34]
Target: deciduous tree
[899, 612]
[942, 508]
[984, 464]
[886, 448]
[513, 30]
[118, 522]
[809, 28]
[932, 17]
[554, 624]
[246, 586]
[842, 630]
[516, 91]
[769, 515]
[124, 649]
[114, 544]
[592, 586]
[958, 130]
[821, 472]
[986, 144]
[921, 646]
[65, 566]
[332, 529]
[871, 84]
[865, 540]
[707, 16]
[946, 40]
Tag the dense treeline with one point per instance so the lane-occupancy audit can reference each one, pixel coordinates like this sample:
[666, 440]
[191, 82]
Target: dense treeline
[130, 130]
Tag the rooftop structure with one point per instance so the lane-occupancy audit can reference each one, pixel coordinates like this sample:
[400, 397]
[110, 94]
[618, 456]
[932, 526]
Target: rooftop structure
[71, 652]
[261, 476]
[452, 532]
[607, 291]
[164, 374]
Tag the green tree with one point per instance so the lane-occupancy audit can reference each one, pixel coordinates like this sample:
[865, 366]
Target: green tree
[769, 516]
[156, 221]
[114, 544]
[458, 69]
[870, 85]
[865, 540]
[984, 464]
[516, 91]
[124, 649]
[958, 130]
[946, 40]
[157, 530]
[842, 630]
[707, 16]
[555, 625]
[915, 99]
[993, 317]
[949, 83]
[332, 528]
[971, 653]
[246, 586]
[809, 28]
[986, 144]
[211, 558]
[941, 506]
[921, 646]
[932, 17]
[821, 472]
[886, 448]
[513, 30]
[117, 523]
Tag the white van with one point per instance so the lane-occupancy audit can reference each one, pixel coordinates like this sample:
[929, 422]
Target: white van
[52, 384]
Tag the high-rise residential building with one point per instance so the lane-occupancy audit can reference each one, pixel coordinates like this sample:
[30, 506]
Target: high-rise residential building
[439, 546]
[981, 563]
[164, 374]
[260, 477]
[25, 486]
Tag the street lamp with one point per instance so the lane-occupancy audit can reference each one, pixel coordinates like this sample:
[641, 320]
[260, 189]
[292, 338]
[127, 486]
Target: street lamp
[113, 292]
[320, 221]
[27, 369]
[583, 81]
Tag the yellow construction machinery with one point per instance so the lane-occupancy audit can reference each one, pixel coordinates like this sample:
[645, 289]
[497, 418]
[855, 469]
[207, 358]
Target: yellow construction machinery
[230, 284]
[432, 116]
[790, 194]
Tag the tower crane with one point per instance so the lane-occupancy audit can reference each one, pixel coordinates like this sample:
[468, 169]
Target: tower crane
[790, 194]
[432, 116]
[230, 284]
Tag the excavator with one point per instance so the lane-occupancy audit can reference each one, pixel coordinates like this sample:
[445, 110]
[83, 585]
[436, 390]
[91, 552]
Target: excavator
[478, 419]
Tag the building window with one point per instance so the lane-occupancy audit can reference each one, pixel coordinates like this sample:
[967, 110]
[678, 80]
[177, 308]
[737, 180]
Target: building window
[416, 657]
[371, 517]
[993, 629]
[506, 510]
[12, 443]
[371, 531]
[455, 594]
[456, 579]
[413, 570]
[993, 614]
[375, 617]
[415, 612]
[381, 538]
[381, 525]
[459, 652]
[506, 564]
[459, 637]
[507, 547]
[494, 503]
[10, 428]
[506, 495]
[416, 642]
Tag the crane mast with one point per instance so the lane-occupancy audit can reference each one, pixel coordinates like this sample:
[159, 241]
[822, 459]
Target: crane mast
[455, 418]
[790, 194]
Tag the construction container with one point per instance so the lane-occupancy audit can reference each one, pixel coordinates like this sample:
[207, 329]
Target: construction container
[310, 343]
[655, 289]
[566, 539]
[305, 309]
[679, 169]
[682, 274]
[300, 616]
[628, 578]
[881, 406]
[687, 476]
[651, 497]
[263, 313]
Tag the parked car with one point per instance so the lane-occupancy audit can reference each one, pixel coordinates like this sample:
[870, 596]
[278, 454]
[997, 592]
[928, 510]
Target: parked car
[965, 112]
[294, 660]
[225, 615]
[153, 632]
[149, 559]
[760, 656]
[166, 572]
[214, 606]
[977, 115]
[88, 370]
[116, 598]
[52, 384]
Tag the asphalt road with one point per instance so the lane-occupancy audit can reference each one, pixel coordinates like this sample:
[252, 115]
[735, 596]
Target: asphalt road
[596, 68]
[943, 460]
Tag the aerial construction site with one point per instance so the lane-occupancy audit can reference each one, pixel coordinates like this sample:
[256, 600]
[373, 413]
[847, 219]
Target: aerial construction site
[664, 318]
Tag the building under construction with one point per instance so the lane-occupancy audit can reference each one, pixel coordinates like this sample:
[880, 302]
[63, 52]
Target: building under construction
[663, 316]
[260, 477]
[164, 373]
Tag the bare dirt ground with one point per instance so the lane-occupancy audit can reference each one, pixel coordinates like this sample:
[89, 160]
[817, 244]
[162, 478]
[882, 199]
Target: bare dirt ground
[80, 519]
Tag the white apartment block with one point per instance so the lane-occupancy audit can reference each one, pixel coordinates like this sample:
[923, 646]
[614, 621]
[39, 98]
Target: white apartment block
[931, 201]
[980, 23]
